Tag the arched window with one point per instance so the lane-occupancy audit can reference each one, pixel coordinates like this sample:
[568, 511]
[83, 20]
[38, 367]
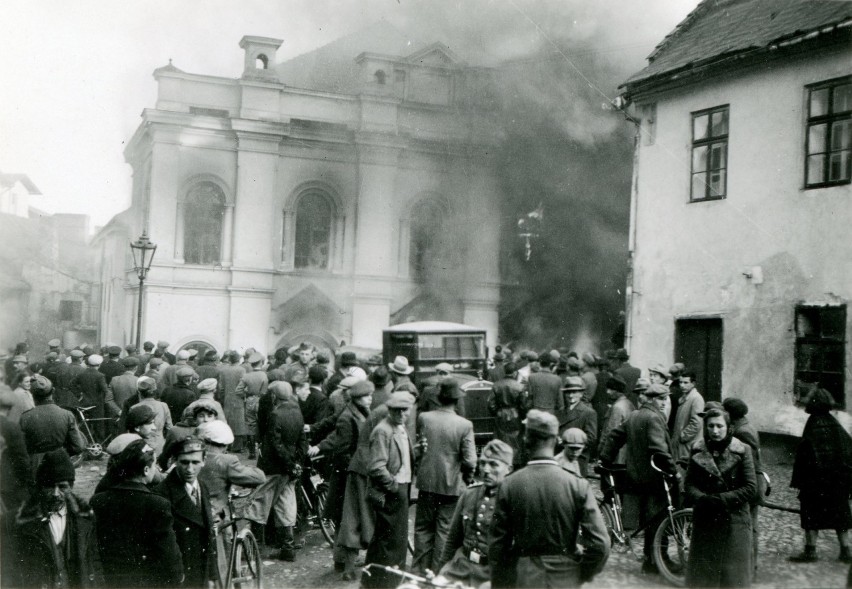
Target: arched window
[261, 62]
[381, 76]
[313, 231]
[423, 251]
[202, 217]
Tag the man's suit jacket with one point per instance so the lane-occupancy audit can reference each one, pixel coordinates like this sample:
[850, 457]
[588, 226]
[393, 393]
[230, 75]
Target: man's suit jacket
[545, 392]
[193, 529]
[386, 457]
[450, 455]
[123, 387]
[688, 425]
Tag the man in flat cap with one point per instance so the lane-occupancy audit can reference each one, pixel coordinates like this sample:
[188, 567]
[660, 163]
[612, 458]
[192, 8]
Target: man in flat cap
[688, 426]
[574, 442]
[540, 512]
[250, 389]
[544, 389]
[90, 387]
[65, 395]
[229, 375]
[56, 545]
[619, 410]
[192, 513]
[645, 435]
[446, 455]
[207, 394]
[675, 392]
[46, 426]
[16, 361]
[391, 469]
[144, 357]
[181, 393]
[464, 557]
[208, 366]
[170, 376]
[162, 422]
[579, 415]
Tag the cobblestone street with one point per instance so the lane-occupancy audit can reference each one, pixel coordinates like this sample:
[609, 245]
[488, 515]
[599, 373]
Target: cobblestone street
[780, 536]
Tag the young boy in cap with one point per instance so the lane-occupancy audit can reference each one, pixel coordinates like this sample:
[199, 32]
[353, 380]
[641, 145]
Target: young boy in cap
[207, 395]
[464, 557]
[55, 537]
[193, 514]
[574, 443]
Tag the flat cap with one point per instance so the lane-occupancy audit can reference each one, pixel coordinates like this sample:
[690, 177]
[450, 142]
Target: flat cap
[255, 358]
[154, 362]
[616, 383]
[676, 368]
[444, 367]
[541, 422]
[130, 349]
[184, 371]
[641, 384]
[120, 442]
[51, 356]
[187, 445]
[659, 369]
[130, 362]
[498, 450]
[139, 415]
[207, 385]
[736, 408]
[281, 389]
[77, 353]
[95, 360]
[183, 355]
[40, 386]
[211, 355]
[348, 382]
[162, 344]
[203, 405]
[216, 432]
[531, 356]
[589, 359]
[657, 390]
[574, 437]
[400, 400]
[362, 388]
[574, 363]
[146, 383]
[573, 383]
[54, 343]
[622, 354]
[114, 351]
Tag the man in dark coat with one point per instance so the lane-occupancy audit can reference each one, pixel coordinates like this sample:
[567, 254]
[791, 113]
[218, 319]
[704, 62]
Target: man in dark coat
[446, 462]
[579, 415]
[315, 406]
[208, 367]
[134, 525]
[48, 427]
[55, 538]
[180, 395]
[112, 365]
[90, 387]
[192, 513]
[64, 395]
[645, 434]
[506, 404]
[283, 449]
[544, 390]
[630, 374]
[15, 483]
[541, 510]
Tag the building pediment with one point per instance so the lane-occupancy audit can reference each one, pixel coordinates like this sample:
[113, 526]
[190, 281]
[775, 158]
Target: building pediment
[436, 55]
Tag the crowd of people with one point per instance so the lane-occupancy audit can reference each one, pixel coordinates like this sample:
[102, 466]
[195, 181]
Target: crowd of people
[182, 429]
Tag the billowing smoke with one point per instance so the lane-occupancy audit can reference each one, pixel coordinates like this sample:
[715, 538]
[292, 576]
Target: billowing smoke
[566, 154]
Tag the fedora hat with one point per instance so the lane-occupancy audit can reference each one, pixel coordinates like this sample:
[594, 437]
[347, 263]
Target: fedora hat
[400, 365]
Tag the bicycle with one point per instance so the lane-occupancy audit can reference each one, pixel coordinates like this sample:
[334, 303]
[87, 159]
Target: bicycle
[93, 449]
[412, 581]
[245, 568]
[313, 498]
[672, 534]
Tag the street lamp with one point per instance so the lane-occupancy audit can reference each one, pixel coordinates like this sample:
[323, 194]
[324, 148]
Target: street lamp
[143, 254]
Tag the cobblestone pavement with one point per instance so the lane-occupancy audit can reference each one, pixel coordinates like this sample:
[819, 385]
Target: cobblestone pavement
[780, 536]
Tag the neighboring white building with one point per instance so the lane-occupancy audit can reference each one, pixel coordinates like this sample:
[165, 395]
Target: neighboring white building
[319, 199]
[15, 192]
[742, 206]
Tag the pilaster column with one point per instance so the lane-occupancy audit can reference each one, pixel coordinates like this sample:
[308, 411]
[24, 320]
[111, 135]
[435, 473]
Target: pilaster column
[179, 233]
[228, 235]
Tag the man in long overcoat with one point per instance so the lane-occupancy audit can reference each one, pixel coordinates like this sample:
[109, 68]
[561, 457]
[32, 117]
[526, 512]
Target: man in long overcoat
[229, 375]
[506, 403]
[192, 513]
[90, 386]
[250, 389]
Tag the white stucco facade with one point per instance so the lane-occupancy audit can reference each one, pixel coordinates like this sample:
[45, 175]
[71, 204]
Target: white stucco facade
[752, 257]
[371, 156]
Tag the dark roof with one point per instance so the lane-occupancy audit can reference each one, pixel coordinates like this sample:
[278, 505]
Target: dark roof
[719, 29]
[332, 67]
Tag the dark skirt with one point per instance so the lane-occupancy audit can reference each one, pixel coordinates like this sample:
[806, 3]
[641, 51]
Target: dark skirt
[825, 508]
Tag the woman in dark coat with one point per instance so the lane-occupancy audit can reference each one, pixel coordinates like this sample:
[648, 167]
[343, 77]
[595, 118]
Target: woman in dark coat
[720, 483]
[822, 471]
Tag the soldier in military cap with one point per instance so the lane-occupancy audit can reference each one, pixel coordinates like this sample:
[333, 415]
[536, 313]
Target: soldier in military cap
[580, 415]
[90, 387]
[193, 514]
[464, 557]
[540, 512]
[112, 366]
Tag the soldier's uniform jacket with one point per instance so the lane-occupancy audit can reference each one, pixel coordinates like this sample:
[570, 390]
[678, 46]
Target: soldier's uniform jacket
[465, 553]
[540, 512]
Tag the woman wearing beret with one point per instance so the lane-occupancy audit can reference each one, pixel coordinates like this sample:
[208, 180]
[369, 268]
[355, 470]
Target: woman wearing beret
[720, 483]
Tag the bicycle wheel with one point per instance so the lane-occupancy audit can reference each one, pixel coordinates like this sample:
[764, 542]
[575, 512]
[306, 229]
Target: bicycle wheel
[246, 570]
[671, 546]
[329, 530]
[619, 540]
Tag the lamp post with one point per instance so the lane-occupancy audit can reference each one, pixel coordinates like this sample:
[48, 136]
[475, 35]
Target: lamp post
[143, 254]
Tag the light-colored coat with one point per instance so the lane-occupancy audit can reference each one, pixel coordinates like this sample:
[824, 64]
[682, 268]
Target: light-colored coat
[617, 414]
[386, 457]
[451, 452]
[687, 426]
[163, 421]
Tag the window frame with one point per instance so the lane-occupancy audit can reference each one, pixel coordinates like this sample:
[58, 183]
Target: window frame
[828, 119]
[329, 204]
[190, 201]
[822, 342]
[708, 142]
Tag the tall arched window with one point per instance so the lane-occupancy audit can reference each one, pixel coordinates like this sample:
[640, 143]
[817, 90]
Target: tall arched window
[313, 231]
[202, 217]
[423, 251]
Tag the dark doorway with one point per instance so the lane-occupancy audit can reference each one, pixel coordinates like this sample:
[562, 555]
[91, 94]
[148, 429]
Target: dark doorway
[698, 345]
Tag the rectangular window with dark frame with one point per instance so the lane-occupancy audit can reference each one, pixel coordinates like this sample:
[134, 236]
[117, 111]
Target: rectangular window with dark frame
[71, 311]
[828, 149]
[709, 154]
[821, 350]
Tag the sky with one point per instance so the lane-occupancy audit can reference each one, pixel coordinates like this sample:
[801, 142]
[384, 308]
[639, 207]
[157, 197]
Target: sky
[75, 76]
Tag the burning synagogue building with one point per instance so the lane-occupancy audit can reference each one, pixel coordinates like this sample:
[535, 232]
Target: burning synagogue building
[322, 199]
[741, 204]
